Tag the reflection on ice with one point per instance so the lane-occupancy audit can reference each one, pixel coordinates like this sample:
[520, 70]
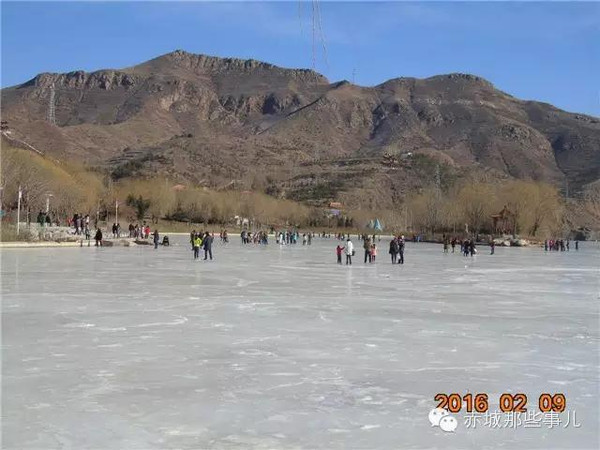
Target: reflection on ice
[279, 347]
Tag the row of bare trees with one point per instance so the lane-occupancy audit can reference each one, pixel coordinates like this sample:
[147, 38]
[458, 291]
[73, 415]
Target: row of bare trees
[536, 208]
[65, 187]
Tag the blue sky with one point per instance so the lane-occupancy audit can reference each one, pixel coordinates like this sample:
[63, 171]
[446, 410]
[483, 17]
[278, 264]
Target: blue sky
[546, 51]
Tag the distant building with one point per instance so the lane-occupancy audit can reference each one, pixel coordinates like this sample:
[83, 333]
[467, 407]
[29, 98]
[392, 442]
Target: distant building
[504, 221]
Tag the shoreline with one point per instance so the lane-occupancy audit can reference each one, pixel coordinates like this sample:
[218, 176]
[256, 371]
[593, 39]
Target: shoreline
[132, 243]
[24, 244]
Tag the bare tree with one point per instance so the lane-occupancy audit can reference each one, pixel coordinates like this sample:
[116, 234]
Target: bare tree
[476, 202]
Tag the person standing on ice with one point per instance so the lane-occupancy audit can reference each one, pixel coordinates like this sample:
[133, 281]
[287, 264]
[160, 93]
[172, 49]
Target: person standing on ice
[304, 239]
[401, 250]
[156, 239]
[394, 249]
[367, 247]
[207, 245]
[197, 242]
[492, 246]
[338, 251]
[349, 251]
[472, 249]
[98, 237]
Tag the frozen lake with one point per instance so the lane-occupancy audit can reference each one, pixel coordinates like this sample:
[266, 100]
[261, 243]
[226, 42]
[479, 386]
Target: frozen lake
[269, 347]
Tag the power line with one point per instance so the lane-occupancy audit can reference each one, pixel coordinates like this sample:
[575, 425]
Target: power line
[300, 16]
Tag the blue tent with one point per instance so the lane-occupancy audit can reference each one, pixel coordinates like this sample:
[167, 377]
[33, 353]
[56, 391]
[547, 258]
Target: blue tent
[375, 225]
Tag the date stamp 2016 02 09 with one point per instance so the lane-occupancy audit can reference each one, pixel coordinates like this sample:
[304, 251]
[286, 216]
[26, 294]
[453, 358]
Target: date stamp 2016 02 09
[507, 402]
[513, 412]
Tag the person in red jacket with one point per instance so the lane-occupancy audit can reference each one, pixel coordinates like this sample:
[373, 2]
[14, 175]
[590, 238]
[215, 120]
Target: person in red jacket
[339, 250]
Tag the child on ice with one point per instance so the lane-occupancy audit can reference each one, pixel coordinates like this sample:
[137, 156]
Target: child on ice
[373, 252]
[339, 250]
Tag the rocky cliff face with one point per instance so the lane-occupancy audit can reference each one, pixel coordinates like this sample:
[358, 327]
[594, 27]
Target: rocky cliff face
[105, 79]
[213, 120]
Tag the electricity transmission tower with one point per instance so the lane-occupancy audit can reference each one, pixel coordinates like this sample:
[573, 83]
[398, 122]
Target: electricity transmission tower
[317, 29]
[52, 106]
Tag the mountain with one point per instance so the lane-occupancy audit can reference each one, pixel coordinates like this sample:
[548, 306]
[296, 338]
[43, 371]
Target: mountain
[226, 122]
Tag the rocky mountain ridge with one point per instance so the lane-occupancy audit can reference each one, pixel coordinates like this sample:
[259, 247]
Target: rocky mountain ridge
[291, 132]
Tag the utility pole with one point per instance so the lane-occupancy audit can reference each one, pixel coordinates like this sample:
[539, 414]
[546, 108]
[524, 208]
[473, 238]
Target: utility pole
[438, 182]
[48, 202]
[19, 210]
[28, 209]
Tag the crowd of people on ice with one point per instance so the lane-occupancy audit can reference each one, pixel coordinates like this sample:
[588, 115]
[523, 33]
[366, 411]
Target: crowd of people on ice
[202, 240]
[467, 246]
[291, 237]
[258, 237]
[370, 249]
[559, 245]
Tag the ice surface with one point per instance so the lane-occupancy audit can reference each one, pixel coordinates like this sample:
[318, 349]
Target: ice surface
[269, 347]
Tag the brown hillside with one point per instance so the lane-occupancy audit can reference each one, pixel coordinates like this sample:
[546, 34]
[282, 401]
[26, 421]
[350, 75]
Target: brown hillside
[230, 122]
